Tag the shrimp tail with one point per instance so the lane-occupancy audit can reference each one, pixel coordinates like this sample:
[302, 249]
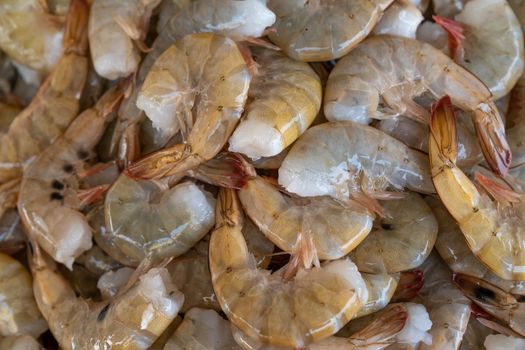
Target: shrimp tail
[409, 285]
[227, 169]
[455, 35]
[499, 192]
[75, 36]
[444, 135]
[385, 326]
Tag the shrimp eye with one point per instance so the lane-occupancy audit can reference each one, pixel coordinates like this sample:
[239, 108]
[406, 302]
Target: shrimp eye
[484, 294]
[103, 313]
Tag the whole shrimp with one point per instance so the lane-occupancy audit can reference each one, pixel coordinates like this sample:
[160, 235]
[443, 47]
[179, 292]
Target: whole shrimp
[30, 35]
[400, 242]
[285, 98]
[349, 160]
[114, 29]
[323, 30]
[50, 198]
[56, 103]
[404, 69]
[493, 228]
[19, 314]
[293, 312]
[207, 96]
[454, 250]
[132, 320]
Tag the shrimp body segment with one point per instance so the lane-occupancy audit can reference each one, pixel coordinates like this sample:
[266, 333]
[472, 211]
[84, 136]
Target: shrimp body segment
[493, 229]
[322, 30]
[310, 306]
[286, 97]
[404, 69]
[207, 96]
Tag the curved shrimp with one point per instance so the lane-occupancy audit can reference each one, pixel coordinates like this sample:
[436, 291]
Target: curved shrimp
[348, 160]
[404, 69]
[19, 313]
[132, 320]
[500, 304]
[402, 241]
[493, 229]
[310, 306]
[50, 198]
[114, 28]
[323, 30]
[30, 35]
[402, 18]
[454, 250]
[286, 97]
[56, 103]
[207, 96]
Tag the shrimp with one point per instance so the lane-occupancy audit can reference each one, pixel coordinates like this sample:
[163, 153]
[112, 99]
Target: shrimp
[400, 242]
[19, 313]
[286, 97]
[132, 320]
[493, 229]
[145, 220]
[50, 199]
[381, 288]
[207, 96]
[406, 68]
[402, 18]
[500, 304]
[488, 41]
[114, 27]
[307, 307]
[202, 329]
[56, 103]
[348, 160]
[30, 35]
[502, 342]
[453, 248]
[323, 30]
[19, 342]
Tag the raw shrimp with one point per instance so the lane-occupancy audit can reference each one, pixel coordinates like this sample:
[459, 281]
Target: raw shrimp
[20, 342]
[502, 342]
[132, 320]
[406, 68]
[310, 306]
[285, 98]
[114, 28]
[323, 30]
[202, 329]
[401, 241]
[500, 304]
[145, 220]
[333, 228]
[56, 103]
[30, 35]
[493, 229]
[238, 20]
[206, 96]
[50, 198]
[19, 313]
[381, 288]
[453, 248]
[348, 160]
[448, 308]
[401, 18]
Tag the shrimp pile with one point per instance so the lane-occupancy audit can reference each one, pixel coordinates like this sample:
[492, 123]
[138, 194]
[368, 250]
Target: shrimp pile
[262, 174]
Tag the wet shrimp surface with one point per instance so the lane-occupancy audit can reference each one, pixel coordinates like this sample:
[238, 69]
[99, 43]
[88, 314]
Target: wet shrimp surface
[262, 175]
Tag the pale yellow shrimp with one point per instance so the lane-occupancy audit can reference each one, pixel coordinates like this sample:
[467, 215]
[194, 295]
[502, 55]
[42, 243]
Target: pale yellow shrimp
[401, 241]
[310, 306]
[30, 35]
[114, 29]
[132, 320]
[50, 198]
[56, 103]
[404, 69]
[18, 311]
[207, 96]
[322, 30]
[493, 229]
[285, 98]
[453, 249]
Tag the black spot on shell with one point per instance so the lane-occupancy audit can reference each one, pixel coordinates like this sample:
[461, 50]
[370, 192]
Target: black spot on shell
[56, 196]
[57, 185]
[386, 226]
[484, 294]
[103, 313]
[68, 168]
[82, 154]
